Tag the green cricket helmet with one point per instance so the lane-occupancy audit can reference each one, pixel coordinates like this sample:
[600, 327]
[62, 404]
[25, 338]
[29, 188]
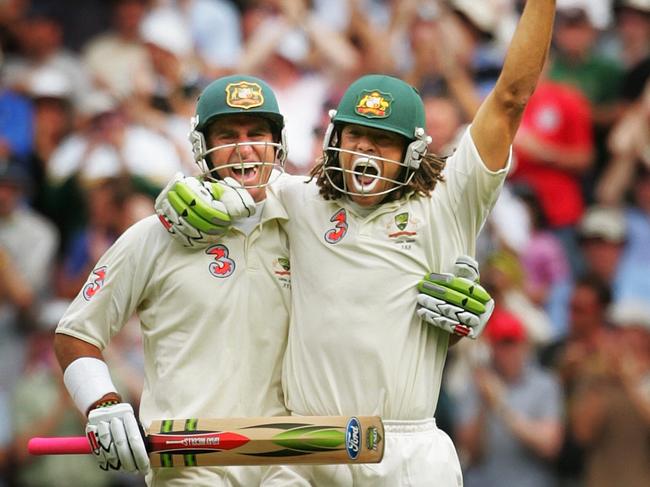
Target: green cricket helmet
[235, 95]
[385, 103]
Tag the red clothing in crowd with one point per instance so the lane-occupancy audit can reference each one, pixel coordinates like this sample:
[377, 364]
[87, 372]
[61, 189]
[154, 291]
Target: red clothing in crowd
[560, 115]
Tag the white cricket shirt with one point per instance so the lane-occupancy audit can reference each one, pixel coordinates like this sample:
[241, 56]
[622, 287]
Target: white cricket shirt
[214, 322]
[356, 345]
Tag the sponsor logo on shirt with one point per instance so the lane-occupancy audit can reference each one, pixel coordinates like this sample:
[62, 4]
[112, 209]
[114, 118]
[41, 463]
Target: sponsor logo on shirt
[222, 266]
[282, 269]
[334, 235]
[96, 283]
[353, 438]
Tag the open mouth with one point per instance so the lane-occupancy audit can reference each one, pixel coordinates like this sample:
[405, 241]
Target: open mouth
[366, 174]
[245, 173]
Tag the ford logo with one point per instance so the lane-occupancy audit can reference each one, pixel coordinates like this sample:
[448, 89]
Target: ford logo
[353, 438]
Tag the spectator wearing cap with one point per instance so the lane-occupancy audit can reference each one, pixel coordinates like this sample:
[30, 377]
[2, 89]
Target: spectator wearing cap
[28, 244]
[602, 234]
[610, 412]
[510, 418]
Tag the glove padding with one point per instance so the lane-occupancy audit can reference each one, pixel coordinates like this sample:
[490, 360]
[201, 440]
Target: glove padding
[115, 439]
[456, 302]
[197, 213]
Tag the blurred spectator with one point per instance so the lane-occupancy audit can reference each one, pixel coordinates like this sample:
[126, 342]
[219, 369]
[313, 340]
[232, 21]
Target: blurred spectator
[41, 406]
[633, 28]
[28, 245]
[110, 212]
[51, 96]
[504, 275]
[588, 330]
[109, 145]
[444, 122]
[510, 418]
[215, 27]
[548, 275]
[40, 44]
[117, 59]
[603, 236]
[5, 437]
[16, 124]
[553, 148]
[610, 412]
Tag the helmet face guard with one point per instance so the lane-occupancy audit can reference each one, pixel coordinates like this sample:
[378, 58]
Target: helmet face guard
[383, 103]
[236, 95]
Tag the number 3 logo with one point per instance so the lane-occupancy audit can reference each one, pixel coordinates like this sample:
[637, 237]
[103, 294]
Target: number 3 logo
[335, 234]
[223, 266]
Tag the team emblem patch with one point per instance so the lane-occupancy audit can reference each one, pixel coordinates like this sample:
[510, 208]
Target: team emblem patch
[222, 266]
[334, 235]
[244, 95]
[282, 271]
[96, 283]
[374, 104]
[402, 220]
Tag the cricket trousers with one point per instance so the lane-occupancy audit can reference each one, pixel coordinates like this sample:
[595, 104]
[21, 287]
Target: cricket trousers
[416, 454]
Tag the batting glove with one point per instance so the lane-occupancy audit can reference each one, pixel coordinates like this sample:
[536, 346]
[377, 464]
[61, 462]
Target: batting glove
[456, 302]
[197, 213]
[115, 439]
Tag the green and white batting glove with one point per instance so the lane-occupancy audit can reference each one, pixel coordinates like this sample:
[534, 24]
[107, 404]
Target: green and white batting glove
[456, 302]
[197, 213]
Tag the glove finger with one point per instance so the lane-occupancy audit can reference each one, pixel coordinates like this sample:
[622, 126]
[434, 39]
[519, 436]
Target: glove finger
[467, 267]
[108, 451]
[440, 285]
[202, 204]
[184, 211]
[462, 285]
[444, 323]
[136, 442]
[122, 444]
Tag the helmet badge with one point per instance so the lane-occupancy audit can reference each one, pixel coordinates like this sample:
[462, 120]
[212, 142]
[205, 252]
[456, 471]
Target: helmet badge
[244, 95]
[374, 104]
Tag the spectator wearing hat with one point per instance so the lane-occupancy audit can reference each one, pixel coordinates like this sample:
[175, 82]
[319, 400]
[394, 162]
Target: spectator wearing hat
[509, 419]
[610, 412]
[602, 234]
[28, 246]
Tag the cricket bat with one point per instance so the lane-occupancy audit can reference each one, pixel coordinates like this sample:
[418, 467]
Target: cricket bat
[247, 441]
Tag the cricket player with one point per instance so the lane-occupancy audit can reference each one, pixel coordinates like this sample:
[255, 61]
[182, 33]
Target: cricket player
[378, 215]
[214, 322]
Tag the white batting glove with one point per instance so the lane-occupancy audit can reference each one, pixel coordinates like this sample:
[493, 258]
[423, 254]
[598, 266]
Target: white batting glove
[115, 439]
[456, 302]
[197, 213]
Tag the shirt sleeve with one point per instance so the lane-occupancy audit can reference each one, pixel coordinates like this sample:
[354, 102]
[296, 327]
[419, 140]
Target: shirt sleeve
[113, 290]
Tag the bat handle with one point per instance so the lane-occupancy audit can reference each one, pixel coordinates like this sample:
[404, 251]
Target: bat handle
[62, 445]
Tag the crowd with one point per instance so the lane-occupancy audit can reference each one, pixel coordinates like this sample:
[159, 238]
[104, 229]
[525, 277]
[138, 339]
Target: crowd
[95, 102]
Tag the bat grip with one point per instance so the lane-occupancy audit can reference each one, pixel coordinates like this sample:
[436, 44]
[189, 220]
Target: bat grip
[63, 445]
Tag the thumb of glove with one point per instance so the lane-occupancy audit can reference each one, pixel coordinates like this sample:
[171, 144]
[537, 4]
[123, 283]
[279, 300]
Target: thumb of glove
[465, 266]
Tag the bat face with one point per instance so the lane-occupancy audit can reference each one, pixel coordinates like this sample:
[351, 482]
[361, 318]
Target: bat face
[259, 441]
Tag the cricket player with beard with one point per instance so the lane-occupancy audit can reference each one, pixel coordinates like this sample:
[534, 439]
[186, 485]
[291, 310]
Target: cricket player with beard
[214, 323]
[378, 214]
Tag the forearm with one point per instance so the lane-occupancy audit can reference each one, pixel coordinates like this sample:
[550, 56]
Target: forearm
[542, 437]
[69, 349]
[575, 160]
[495, 125]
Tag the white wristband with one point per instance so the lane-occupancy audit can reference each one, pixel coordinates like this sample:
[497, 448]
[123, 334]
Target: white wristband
[87, 380]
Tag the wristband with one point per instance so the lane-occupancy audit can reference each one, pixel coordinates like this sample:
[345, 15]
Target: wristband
[87, 380]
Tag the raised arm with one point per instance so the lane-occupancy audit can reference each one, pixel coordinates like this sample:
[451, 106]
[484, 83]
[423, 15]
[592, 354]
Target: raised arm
[495, 125]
